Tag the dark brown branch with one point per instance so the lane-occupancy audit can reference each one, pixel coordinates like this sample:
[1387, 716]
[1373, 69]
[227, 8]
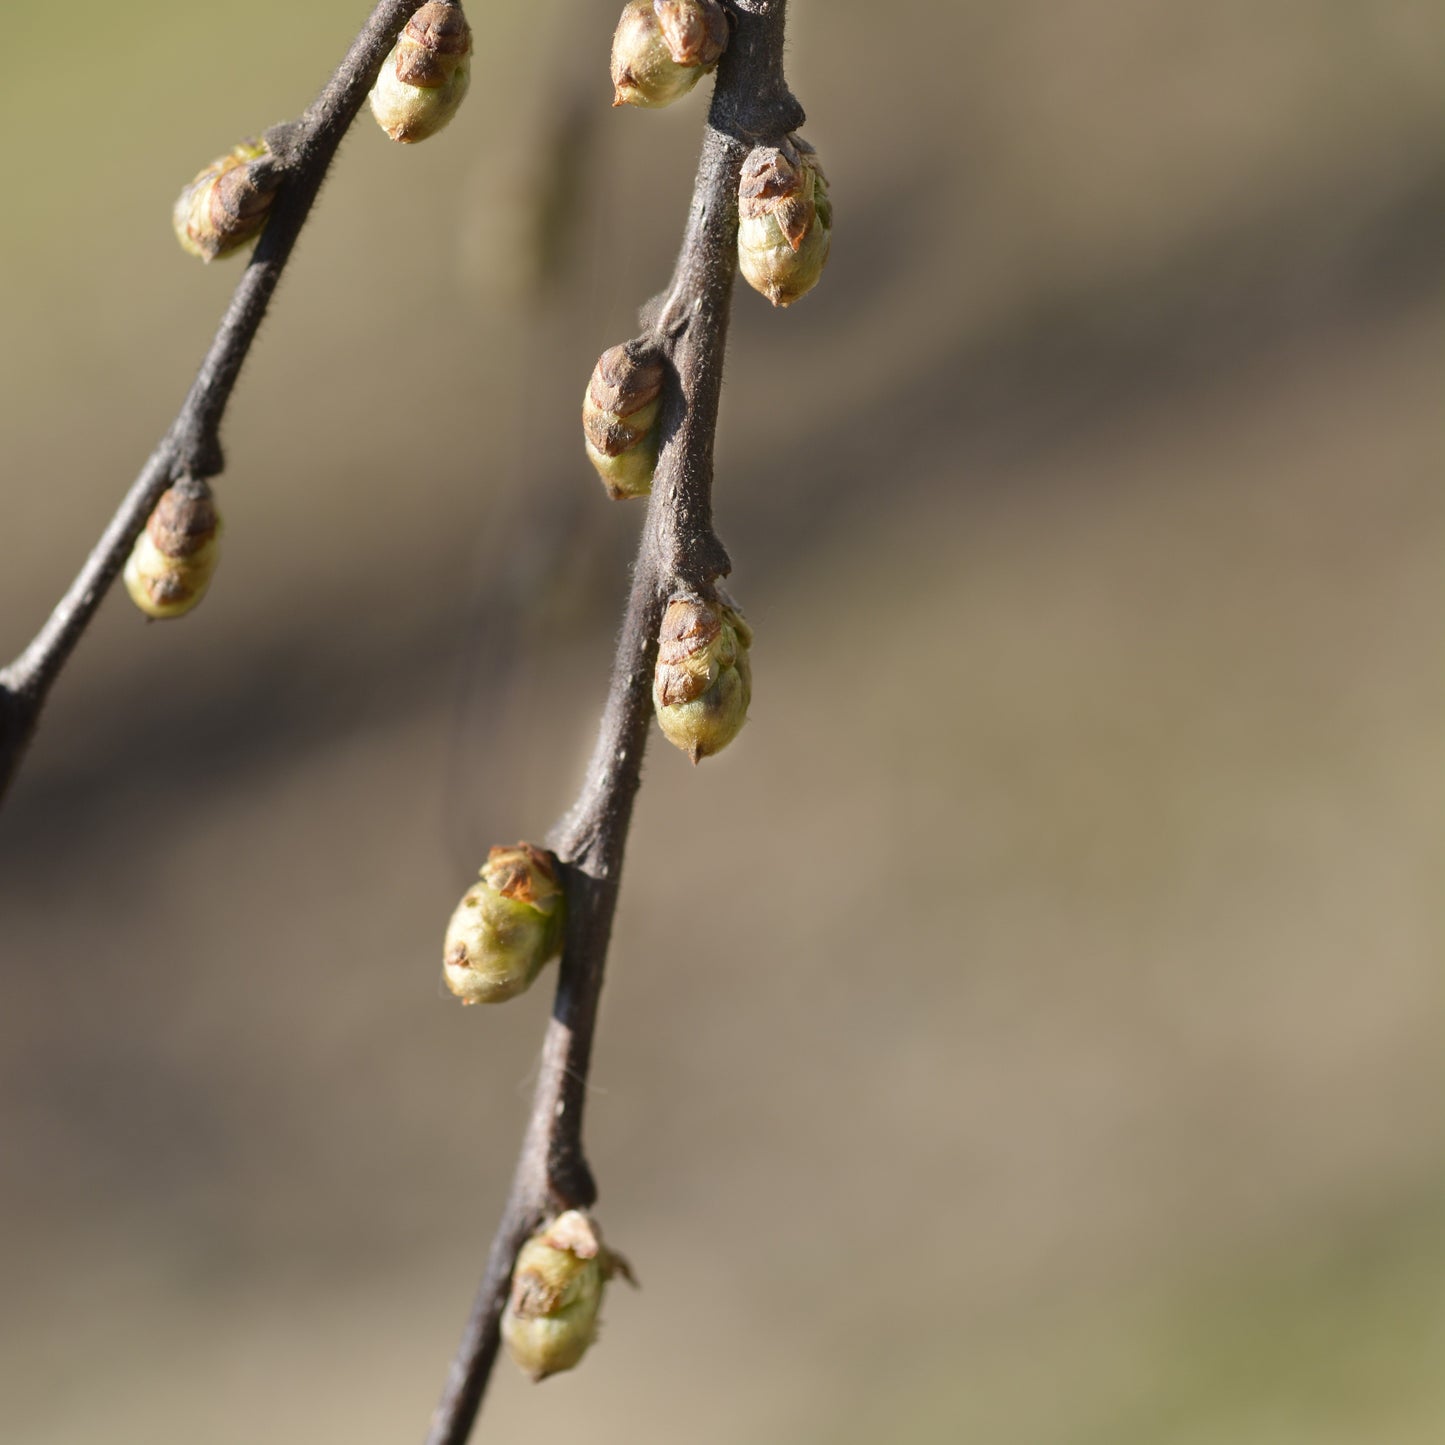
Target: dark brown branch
[679, 551]
[303, 150]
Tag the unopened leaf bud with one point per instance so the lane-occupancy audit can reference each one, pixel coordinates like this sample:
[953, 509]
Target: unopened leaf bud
[703, 681]
[226, 205]
[557, 1284]
[785, 220]
[662, 48]
[424, 78]
[173, 559]
[506, 926]
[619, 419]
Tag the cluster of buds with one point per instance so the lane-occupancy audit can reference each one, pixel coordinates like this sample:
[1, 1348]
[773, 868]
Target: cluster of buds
[506, 926]
[226, 205]
[662, 48]
[703, 682]
[619, 418]
[424, 78]
[174, 557]
[557, 1281]
[785, 220]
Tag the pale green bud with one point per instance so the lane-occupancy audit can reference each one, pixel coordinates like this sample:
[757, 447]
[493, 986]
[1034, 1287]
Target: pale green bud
[619, 419]
[662, 48]
[224, 207]
[506, 926]
[173, 559]
[557, 1284]
[424, 79]
[703, 682]
[785, 220]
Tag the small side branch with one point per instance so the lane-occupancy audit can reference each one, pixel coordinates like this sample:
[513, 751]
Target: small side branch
[679, 552]
[303, 151]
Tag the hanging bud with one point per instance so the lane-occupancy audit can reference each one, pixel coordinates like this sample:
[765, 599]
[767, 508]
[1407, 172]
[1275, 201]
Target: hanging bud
[662, 48]
[785, 220]
[425, 77]
[551, 1314]
[506, 927]
[225, 206]
[703, 682]
[619, 419]
[171, 564]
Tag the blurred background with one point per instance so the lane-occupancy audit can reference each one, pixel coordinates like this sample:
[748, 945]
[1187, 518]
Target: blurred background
[1055, 1057]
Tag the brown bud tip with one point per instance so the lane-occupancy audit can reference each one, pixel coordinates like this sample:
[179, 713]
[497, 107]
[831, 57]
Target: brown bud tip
[434, 40]
[524, 873]
[625, 379]
[695, 33]
[441, 28]
[688, 630]
[184, 520]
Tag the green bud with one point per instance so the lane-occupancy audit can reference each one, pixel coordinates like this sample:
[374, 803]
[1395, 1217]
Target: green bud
[224, 207]
[619, 419]
[173, 559]
[557, 1282]
[703, 682]
[424, 79]
[662, 48]
[506, 927]
[785, 220]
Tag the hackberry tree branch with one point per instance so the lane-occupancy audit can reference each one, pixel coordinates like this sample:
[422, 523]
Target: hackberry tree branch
[752, 172]
[300, 153]
[679, 553]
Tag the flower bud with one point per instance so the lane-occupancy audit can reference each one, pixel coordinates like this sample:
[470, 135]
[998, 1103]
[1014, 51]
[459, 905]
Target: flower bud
[506, 927]
[703, 683]
[225, 206]
[424, 78]
[662, 48]
[785, 220]
[619, 419]
[171, 564]
[551, 1314]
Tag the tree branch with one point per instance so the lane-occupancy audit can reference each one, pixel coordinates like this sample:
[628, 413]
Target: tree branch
[302, 151]
[679, 551]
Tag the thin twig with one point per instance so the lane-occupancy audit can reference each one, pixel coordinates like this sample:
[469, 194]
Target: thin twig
[678, 552]
[302, 151]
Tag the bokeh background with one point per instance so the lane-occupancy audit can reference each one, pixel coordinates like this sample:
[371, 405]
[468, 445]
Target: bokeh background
[1054, 1056]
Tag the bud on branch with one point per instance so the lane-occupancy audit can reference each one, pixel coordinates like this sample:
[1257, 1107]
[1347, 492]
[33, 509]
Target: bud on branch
[424, 80]
[619, 418]
[662, 48]
[785, 220]
[174, 558]
[703, 682]
[551, 1314]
